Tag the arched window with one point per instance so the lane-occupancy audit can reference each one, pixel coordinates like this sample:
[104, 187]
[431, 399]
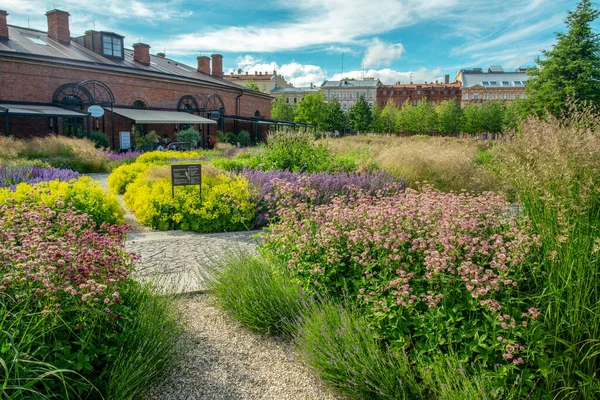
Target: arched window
[257, 114]
[139, 104]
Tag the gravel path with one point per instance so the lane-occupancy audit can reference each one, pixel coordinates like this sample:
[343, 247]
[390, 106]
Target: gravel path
[225, 361]
[220, 360]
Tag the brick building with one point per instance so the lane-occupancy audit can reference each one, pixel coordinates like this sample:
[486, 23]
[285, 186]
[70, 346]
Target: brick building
[479, 86]
[48, 81]
[266, 82]
[414, 93]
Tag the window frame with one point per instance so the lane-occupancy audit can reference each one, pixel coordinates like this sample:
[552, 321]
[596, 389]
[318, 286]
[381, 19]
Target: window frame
[112, 38]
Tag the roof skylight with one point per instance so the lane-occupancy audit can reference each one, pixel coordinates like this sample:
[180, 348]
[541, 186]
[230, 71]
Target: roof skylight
[37, 41]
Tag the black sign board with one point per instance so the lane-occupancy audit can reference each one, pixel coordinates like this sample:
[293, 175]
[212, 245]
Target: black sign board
[186, 175]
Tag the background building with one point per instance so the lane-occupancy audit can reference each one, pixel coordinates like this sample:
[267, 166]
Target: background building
[293, 95]
[414, 93]
[48, 81]
[348, 91]
[494, 84]
[266, 82]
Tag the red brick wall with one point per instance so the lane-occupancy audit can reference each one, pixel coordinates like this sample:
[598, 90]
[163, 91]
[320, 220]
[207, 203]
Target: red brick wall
[34, 81]
[58, 26]
[3, 24]
[141, 53]
[432, 92]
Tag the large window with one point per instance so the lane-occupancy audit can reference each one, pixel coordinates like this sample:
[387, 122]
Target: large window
[112, 46]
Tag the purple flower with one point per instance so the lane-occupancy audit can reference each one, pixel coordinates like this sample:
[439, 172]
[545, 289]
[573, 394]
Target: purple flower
[10, 176]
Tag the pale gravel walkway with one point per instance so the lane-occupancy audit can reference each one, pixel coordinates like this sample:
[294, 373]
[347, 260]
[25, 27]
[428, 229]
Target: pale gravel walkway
[225, 361]
[220, 360]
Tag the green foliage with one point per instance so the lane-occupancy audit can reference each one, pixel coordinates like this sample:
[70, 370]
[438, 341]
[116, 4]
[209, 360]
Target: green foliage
[296, 151]
[252, 86]
[334, 119]
[100, 139]
[124, 175]
[571, 70]
[359, 116]
[377, 123]
[282, 111]
[236, 164]
[346, 354]
[189, 135]
[144, 142]
[473, 119]
[257, 294]
[84, 194]
[231, 138]
[450, 117]
[223, 206]
[388, 116]
[311, 110]
[221, 137]
[243, 138]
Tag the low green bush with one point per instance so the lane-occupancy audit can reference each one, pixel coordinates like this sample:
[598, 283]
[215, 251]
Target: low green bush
[236, 164]
[244, 138]
[257, 294]
[189, 135]
[231, 138]
[124, 175]
[296, 151]
[100, 139]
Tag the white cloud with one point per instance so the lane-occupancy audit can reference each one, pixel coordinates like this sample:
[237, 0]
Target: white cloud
[382, 54]
[389, 76]
[297, 74]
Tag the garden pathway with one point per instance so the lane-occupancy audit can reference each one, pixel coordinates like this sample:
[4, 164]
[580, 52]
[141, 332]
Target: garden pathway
[220, 359]
[178, 261]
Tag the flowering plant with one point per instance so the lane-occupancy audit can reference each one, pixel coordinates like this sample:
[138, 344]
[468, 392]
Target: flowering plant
[11, 175]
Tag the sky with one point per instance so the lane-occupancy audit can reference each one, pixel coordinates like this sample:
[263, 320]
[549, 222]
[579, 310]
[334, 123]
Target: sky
[309, 41]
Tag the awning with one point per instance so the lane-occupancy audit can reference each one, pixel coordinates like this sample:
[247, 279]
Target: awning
[33, 110]
[142, 116]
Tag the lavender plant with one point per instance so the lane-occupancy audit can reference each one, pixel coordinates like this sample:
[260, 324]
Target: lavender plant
[12, 175]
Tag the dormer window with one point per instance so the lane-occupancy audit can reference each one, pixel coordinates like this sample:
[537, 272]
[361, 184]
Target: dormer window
[112, 46]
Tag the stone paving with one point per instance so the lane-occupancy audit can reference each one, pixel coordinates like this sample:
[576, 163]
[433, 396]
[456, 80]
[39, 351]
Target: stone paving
[179, 261]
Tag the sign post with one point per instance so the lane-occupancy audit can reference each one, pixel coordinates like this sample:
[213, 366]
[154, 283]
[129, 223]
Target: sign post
[186, 175]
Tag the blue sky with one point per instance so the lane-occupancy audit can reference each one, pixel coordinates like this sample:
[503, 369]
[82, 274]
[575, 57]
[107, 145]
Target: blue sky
[304, 39]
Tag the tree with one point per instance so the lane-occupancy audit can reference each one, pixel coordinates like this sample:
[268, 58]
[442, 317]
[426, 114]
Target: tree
[334, 119]
[450, 117]
[473, 119]
[426, 118]
[571, 70]
[388, 116]
[311, 110]
[360, 116]
[492, 116]
[281, 110]
[406, 118]
[377, 124]
[252, 86]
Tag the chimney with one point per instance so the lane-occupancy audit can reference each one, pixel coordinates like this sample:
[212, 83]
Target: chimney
[217, 65]
[58, 26]
[141, 53]
[160, 55]
[246, 72]
[446, 79]
[3, 25]
[204, 65]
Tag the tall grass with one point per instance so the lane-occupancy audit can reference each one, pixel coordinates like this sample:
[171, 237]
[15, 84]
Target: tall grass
[80, 155]
[554, 166]
[257, 294]
[449, 164]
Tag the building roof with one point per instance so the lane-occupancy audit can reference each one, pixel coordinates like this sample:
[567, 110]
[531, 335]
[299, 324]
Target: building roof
[421, 85]
[494, 80]
[34, 44]
[367, 83]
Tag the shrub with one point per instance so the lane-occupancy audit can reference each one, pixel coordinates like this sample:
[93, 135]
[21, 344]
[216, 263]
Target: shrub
[224, 206]
[118, 159]
[430, 270]
[100, 139]
[71, 312]
[554, 167]
[318, 188]
[144, 142]
[244, 138]
[344, 352]
[231, 138]
[84, 195]
[10, 176]
[189, 135]
[157, 157]
[237, 164]
[257, 294]
[124, 175]
[296, 151]
[221, 137]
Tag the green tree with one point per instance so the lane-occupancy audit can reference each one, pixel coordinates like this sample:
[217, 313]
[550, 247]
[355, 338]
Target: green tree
[492, 116]
[334, 119]
[252, 86]
[359, 116]
[405, 120]
[473, 119]
[572, 68]
[388, 116]
[377, 124]
[281, 110]
[514, 114]
[450, 117]
[426, 118]
[311, 110]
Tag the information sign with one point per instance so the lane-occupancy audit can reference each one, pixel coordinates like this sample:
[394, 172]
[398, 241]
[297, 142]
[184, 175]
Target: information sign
[96, 111]
[124, 140]
[186, 175]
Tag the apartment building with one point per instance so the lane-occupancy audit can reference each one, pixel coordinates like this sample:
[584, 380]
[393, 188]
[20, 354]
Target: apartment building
[348, 91]
[478, 86]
